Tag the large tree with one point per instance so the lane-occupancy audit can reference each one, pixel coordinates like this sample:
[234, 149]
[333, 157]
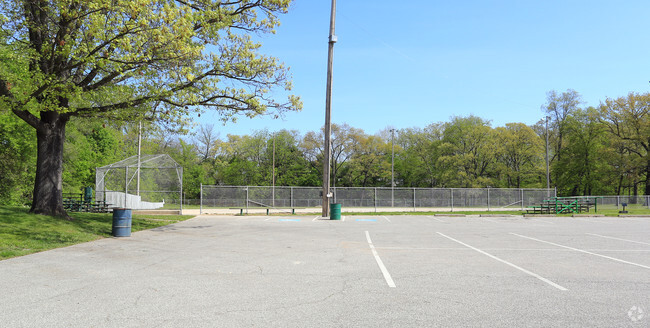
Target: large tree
[628, 119]
[131, 59]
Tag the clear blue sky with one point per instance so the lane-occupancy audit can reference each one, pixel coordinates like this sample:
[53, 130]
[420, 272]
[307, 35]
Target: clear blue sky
[412, 63]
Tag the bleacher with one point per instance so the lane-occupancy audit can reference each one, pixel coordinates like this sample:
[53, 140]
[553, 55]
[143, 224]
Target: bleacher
[565, 205]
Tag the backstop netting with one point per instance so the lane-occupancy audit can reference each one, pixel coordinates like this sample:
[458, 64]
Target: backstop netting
[447, 198]
[142, 183]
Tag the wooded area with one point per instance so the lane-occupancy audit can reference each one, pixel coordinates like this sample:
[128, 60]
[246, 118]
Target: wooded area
[592, 151]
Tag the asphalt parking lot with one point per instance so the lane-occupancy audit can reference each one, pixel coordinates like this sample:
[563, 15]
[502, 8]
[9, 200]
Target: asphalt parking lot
[363, 271]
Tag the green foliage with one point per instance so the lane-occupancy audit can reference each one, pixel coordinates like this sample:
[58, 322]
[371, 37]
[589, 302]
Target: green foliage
[519, 155]
[467, 152]
[130, 60]
[17, 160]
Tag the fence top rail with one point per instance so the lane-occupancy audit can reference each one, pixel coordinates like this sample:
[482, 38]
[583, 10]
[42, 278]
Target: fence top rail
[579, 197]
[383, 188]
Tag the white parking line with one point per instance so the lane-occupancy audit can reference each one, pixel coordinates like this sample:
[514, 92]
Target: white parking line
[383, 269]
[508, 263]
[592, 220]
[435, 218]
[583, 251]
[387, 219]
[486, 219]
[631, 241]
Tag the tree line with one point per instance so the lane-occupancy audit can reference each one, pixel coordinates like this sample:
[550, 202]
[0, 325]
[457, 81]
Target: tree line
[591, 151]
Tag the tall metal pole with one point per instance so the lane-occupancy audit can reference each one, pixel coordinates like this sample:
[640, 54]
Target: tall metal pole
[328, 122]
[392, 169]
[139, 160]
[548, 176]
[273, 173]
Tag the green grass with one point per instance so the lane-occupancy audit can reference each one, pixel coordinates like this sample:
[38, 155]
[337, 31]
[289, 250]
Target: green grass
[22, 233]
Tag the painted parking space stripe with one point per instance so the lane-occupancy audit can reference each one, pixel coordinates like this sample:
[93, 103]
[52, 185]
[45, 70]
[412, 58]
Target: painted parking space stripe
[608, 237]
[582, 251]
[387, 219]
[435, 218]
[382, 267]
[289, 220]
[488, 219]
[507, 263]
[366, 220]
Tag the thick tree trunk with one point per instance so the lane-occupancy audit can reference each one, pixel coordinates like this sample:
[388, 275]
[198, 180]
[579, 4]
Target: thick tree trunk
[48, 185]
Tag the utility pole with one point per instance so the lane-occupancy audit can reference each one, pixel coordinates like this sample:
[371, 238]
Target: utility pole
[273, 173]
[328, 122]
[392, 169]
[548, 175]
[139, 156]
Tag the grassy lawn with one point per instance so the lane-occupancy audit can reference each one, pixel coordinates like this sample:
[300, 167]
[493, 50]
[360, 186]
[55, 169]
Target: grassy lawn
[22, 233]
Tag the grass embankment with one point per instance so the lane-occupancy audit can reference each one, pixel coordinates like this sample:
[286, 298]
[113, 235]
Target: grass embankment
[22, 233]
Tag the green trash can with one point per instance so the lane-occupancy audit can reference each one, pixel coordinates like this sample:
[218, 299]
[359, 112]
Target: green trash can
[335, 211]
[88, 194]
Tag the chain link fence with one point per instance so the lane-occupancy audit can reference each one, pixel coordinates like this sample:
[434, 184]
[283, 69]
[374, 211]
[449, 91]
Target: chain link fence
[413, 198]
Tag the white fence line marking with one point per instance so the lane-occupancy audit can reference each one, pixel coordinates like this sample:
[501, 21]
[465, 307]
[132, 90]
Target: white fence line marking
[583, 251]
[382, 267]
[631, 241]
[507, 263]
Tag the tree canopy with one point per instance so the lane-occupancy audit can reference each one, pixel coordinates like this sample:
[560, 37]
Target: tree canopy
[132, 59]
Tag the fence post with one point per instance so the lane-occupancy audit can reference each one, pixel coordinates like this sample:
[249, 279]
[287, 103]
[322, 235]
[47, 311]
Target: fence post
[181, 209]
[126, 184]
[291, 197]
[375, 199]
[413, 199]
[201, 200]
[452, 198]
[488, 198]
[522, 199]
[246, 199]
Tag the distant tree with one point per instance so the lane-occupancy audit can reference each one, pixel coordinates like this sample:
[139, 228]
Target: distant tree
[581, 168]
[205, 140]
[131, 59]
[468, 152]
[368, 165]
[628, 119]
[417, 164]
[520, 152]
[559, 107]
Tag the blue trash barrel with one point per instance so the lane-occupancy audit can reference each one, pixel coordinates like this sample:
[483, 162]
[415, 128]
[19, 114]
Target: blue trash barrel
[121, 222]
[335, 211]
